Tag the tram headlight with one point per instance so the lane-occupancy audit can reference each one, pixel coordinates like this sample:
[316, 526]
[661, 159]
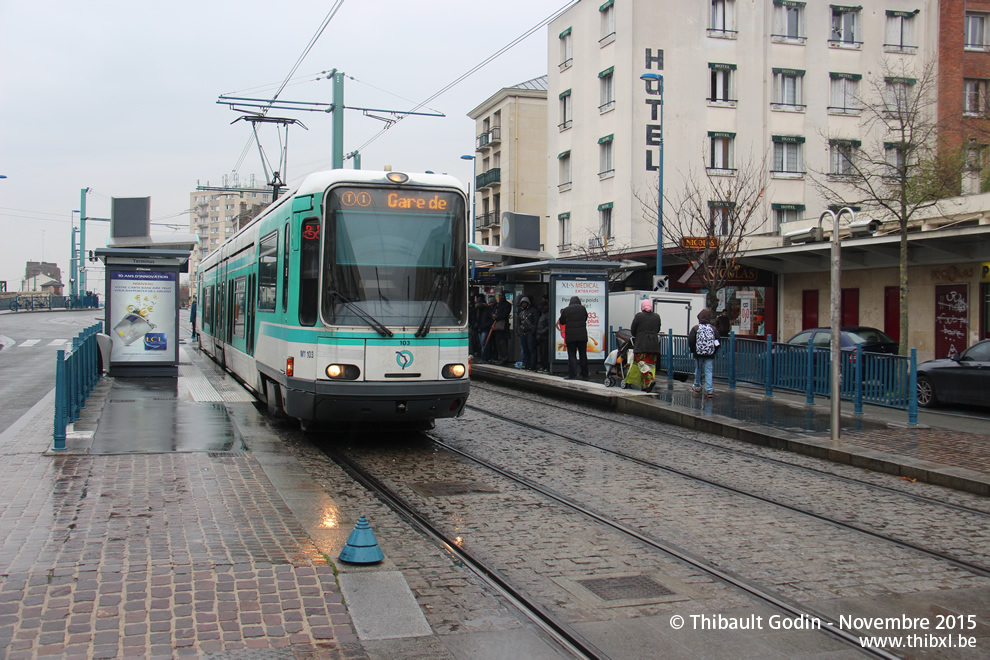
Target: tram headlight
[454, 371]
[397, 177]
[342, 372]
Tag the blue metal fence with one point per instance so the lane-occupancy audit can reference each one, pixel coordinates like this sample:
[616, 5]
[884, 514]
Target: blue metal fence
[866, 378]
[76, 374]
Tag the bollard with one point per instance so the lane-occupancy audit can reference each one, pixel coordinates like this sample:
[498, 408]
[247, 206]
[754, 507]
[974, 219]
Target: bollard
[362, 546]
[913, 389]
[670, 357]
[858, 406]
[768, 366]
[732, 359]
[809, 386]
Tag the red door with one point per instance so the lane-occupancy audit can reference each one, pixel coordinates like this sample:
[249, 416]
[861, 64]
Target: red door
[850, 307]
[892, 312]
[809, 309]
[951, 319]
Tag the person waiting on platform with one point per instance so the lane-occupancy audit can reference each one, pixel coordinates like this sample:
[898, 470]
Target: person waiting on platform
[645, 330]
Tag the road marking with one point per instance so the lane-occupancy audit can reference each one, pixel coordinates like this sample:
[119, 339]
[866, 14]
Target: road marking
[58, 342]
[29, 342]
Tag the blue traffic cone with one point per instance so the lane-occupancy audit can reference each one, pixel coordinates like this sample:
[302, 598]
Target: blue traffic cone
[362, 546]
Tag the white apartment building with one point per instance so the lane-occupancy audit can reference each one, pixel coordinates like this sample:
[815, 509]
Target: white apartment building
[510, 152]
[744, 83]
[213, 217]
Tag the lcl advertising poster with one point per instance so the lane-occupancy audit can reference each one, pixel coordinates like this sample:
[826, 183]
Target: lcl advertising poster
[593, 292]
[143, 321]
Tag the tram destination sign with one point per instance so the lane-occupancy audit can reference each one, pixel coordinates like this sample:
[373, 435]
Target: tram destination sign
[421, 201]
[699, 242]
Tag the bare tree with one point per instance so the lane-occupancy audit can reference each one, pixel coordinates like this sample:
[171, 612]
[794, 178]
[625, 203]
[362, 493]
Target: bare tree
[710, 218]
[903, 168]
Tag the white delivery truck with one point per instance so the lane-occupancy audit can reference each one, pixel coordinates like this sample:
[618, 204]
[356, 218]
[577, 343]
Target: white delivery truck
[677, 310]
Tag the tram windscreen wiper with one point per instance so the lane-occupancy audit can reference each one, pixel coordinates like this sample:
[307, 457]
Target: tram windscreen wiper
[360, 313]
[439, 288]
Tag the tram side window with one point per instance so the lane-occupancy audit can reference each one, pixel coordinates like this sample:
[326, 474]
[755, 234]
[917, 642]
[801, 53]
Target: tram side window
[285, 270]
[240, 289]
[207, 321]
[268, 272]
[309, 272]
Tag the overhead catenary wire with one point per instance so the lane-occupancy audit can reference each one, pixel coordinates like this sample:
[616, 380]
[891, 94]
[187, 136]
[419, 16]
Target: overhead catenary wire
[473, 70]
[295, 67]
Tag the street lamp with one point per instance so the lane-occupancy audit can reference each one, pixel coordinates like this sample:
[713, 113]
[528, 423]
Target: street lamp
[835, 298]
[473, 195]
[655, 90]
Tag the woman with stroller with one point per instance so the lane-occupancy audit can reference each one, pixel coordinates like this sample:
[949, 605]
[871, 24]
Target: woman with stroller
[645, 330]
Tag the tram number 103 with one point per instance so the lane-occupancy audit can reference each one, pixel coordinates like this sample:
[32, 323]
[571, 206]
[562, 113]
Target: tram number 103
[307, 354]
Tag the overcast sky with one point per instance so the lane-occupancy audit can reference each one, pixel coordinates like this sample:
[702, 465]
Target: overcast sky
[120, 97]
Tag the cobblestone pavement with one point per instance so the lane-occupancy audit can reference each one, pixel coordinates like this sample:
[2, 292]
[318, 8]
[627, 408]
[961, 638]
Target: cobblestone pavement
[155, 555]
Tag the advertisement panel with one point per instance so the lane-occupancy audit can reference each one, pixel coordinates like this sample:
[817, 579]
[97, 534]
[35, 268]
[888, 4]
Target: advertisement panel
[142, 325]
[593, 293]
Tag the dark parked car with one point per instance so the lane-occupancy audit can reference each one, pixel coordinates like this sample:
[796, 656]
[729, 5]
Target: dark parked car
[961, 379]
[872, 340]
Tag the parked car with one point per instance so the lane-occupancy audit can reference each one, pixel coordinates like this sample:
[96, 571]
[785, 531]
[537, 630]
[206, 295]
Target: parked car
[872, 340]
[961, 379]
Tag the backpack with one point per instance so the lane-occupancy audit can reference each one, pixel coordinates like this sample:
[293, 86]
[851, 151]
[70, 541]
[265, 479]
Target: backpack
[705, 342]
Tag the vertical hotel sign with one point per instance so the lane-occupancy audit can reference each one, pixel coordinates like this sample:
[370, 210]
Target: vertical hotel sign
[654, 99]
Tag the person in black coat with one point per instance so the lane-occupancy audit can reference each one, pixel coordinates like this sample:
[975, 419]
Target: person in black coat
[503, 310]
[486, 318]
[645, 330]
[574, 322]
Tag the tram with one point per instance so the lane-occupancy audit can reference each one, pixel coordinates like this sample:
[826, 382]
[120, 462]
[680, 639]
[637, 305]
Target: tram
[346, 300]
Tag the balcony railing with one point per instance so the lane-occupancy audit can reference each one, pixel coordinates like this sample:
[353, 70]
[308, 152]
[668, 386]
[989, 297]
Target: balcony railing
[490, 219]
[495, 135]
[481, 142]
[491, 177]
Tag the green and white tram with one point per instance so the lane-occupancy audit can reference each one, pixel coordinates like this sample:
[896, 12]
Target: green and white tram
[346, 300]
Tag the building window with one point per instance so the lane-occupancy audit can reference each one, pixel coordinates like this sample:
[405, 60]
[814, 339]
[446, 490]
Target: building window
[606, 167]
[607, 12]
[564, 166]
[788, 157]
[720, 152]
[566, 50]
[605, 222]
[976, 31]
[566, 108]
[974, 97]
[606, 82]
[841, 155]
[721, 24]
[722, 89]
[721, 217]
[788, 22]
[784, 213]
[900, 32]
[896, 157]
[845, 27]
[898, 95]
[843, 90]
[788, 95]
[564, 229]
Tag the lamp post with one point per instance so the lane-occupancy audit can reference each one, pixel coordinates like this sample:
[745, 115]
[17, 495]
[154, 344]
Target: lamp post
[835, 304]
[657, 89]
[473, 195]
[73, 258]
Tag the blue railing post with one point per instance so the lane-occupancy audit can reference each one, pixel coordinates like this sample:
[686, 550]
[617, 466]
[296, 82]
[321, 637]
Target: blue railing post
[59, 435]
[768, 366]
[858, 407]
[913, 388]
[732, 359]
[75, 377]
[670, 357]
[809, 385]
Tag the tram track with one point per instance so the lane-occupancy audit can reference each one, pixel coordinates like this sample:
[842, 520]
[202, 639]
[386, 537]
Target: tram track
[738, 452]
[551, 624]
[972, 567]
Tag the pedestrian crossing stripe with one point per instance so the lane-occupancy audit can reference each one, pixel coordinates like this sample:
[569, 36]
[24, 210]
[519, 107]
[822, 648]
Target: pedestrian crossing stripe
[28, 343]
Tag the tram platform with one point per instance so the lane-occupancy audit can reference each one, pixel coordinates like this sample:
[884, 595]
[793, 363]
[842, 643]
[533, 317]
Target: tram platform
[950, 449]
[246, 565]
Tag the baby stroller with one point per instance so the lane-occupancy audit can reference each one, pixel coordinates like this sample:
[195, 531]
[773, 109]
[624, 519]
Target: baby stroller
[615, 363]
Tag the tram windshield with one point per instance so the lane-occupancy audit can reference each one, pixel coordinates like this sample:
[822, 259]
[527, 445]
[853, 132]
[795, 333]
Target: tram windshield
[395, 255]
